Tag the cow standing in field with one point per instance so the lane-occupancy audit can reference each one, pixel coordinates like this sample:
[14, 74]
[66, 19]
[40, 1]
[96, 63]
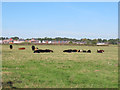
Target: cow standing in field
[11, 46]
[33, 48]
[100, 51]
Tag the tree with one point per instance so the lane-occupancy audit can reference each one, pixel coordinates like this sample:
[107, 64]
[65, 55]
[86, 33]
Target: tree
[15, 38]
[2, 38]
[113, 41]
[94, 41]
[99, 40]
[104, 40]
[70, 42]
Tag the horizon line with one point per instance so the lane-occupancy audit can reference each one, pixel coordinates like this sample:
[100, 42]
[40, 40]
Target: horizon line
[57, 37]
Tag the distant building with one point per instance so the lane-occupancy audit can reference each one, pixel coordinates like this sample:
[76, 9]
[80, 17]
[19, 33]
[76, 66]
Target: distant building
[34, 41]
[43, 41]
[1, 41]
[11, 41]
[15, 41]
[102, 44]
[19, 41]
[60, 42]
[49, 42]
[6, 41]
[79, 43]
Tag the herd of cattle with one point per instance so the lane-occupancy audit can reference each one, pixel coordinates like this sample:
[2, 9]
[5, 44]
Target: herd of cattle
[36, 50]
[74, 50]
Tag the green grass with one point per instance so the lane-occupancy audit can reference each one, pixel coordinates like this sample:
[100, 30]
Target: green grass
[58, 69]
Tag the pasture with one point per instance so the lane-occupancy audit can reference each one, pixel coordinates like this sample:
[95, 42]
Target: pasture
[58, 69]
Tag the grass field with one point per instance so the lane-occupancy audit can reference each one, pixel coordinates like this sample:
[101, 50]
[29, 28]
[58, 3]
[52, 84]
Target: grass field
[60, 70]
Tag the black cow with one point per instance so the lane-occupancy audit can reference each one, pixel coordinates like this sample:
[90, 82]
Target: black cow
[84, 51]
[11, 46]
[37, 51]
[74, 50]
[69, 50]
[42, 51]
[47, 50]
[89, 51]
[33, 48]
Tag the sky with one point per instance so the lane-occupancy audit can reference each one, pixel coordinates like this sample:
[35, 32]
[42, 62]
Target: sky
[60, 19]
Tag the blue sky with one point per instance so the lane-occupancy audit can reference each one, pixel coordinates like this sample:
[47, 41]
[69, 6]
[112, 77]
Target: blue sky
[61, 19]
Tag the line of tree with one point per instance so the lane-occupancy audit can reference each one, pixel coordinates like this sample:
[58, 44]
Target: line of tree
[88, 41]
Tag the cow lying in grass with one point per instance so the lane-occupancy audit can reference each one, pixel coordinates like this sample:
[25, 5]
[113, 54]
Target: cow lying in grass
[70, 50]
[89, 51]
[85, 51]
[74, 50]
[21, 48]
[79, 50]
[42, 51]
[100, 51]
